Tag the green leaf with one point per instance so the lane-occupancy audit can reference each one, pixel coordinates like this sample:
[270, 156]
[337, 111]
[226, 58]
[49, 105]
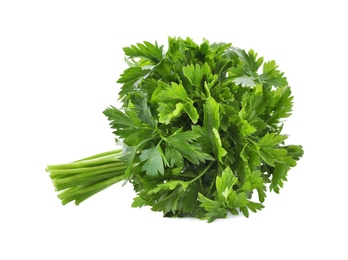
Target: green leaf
[153, 162]
[128, 126]
[279, 175]
[131, 78]
[134, 135]
[139, 100]
[211, 125]
[245, 211]
[271, 152]
[146, 50]
[246, 129]
[133, 74]
[249, 155]
[272, 76]
[214, 209]
[270, 155]
[168, 111]
[171, 185]
[254, 206]
[225, 183]
[191, 111]
[188, 201]
[295, 151]
[218, 149]
[262, 193]
[180, 146]
[250, 64]
[272, 139]
[172, 100]
[253, 181]
[118, 118]
[169, 202]
[244, 81]
[280, 105]
[173, 156]
[194, 74]
[253, 105]
[138, 202]
[211, 114]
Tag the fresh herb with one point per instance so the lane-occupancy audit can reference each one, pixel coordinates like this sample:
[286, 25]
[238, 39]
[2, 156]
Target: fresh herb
[200, 130]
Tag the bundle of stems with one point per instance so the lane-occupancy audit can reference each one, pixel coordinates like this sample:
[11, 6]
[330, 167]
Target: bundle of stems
[79, 180]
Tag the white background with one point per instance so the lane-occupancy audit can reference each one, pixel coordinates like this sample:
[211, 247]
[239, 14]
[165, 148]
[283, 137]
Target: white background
[59, 61]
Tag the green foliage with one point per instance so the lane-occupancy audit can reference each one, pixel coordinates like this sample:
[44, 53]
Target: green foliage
[200, 126]
[203, 123]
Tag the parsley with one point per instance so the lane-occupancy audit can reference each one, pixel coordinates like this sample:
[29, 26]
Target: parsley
[200, 128]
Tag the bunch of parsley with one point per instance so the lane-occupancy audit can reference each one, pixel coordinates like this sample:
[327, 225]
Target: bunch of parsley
[200, 131]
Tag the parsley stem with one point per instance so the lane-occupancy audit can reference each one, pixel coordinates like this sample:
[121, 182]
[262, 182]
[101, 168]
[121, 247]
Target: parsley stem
[92, 170]
[81, 179]
[85, 163]
[87, 177]
[147, 140]
[115, 152]
[79, 194]
[202, 173]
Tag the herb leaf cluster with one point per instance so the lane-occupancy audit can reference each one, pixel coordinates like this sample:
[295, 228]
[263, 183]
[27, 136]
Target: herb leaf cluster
[200, 126]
